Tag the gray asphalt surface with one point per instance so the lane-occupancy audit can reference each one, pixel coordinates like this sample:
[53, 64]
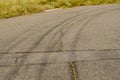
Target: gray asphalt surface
[81, 43]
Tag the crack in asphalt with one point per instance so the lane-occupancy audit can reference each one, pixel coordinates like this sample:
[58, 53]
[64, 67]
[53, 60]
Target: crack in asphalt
[74, 70]
[72, 65]
[32, 64]
[85, 50]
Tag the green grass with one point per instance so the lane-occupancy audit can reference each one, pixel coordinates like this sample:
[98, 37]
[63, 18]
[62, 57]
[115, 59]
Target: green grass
[10, 8]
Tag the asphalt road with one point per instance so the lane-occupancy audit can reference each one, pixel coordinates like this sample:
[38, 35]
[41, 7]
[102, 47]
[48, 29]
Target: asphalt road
[81, 43]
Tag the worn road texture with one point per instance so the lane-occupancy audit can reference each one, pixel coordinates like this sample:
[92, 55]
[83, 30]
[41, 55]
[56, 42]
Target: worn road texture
[81, 43]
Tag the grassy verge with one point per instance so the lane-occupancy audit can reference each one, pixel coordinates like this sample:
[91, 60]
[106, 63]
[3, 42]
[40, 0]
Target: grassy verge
[10, 8]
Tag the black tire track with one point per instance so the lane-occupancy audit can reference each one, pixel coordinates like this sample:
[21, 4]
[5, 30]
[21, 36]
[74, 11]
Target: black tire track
[85, 24]
[25, 33]
[44, 58]
[17, 37]
[36, 44]
[73, 64]
[41, 70]
[79, 33]
[16, 70]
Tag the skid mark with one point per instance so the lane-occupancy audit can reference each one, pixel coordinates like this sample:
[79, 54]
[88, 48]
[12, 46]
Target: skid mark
[16, 70]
